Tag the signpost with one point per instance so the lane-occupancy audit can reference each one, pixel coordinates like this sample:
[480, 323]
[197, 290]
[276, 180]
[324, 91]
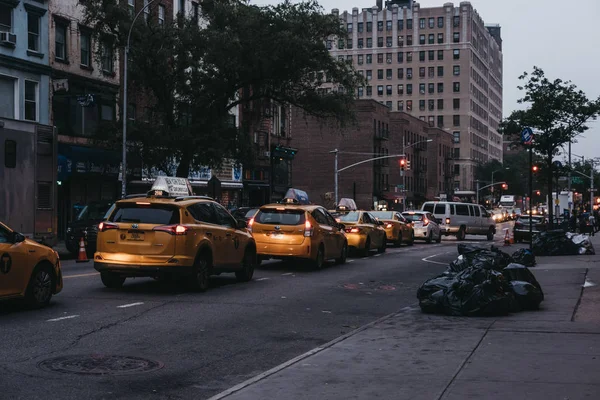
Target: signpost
[527, 140]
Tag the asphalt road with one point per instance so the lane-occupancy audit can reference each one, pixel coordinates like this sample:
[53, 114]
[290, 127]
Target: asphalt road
[199, 344]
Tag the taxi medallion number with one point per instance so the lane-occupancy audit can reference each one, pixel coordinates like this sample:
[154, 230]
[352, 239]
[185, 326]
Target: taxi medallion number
[135, 236]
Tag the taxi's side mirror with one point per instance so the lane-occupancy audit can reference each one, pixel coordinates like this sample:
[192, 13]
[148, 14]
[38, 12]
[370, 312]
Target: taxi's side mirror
[341, 227]
[17, 237]
[241, 224]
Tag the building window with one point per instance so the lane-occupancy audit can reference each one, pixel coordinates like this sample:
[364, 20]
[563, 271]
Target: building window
[369, 27]
[431, 72]
[388, 74]
[7, 97]
[456, 87]
[400, 25]
[440, 38]
[431, 38]
[430, 88]
[421, 23]
[400, 57]
[409, 88]
[379, 74]
[421, 105]
[431, 120]
[379, 90]
[33, 32]
[400, 105]
[60, 41]
[421, 56]
[361, 43]
[10, 154]
[440, 55]
[408, 73]
[5, 18]
[431, 23]
[388, 90]
[161, 14]
[349, 43]
[369, 90]
[349, 59]
[388, 25]
[456, 21]
[440, 121]
[440, 22]
[341, 43]
[409, 105]
[388, 41]
[360, 26]
[401, 89]
[146, 11]
[131, 7]
[400, 73]
[400, 41]
[360, 91]
[369, 74]
[456, 37]
[456, 104]
[380, 42]
[421, 39]
[85, 49]
[380, 26]
[369, 43]
[440, 104]
[431, 55]
[422, 72]
[456, 136]
[379, 58]
[456, 70]
[31, 100]
[409, 40]
[440, 70]
[107, 58]
[195, 12]
[388, 104]
[360, 59]
[440, 87]
[431, 105]
[409, 23]
[422, 88]
[349, 27]
[456, 120]
[456, 54]
[329, 45]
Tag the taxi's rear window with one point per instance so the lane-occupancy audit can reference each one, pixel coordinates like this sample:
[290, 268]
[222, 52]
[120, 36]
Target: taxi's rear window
[280, 217]
[160, 214]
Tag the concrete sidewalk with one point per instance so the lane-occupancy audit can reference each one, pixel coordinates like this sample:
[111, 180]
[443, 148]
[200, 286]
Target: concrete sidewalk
[553, 353]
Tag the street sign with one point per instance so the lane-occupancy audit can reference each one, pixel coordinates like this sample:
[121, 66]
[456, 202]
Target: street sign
[592, 190]
[400, 186]
[557, 164]
[556, 201]
[576, 180]
[526, 136]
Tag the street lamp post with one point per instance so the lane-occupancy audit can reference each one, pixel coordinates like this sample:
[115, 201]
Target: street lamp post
[126, 59]
[337, 171]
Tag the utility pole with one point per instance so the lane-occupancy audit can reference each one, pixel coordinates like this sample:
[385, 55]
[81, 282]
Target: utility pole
[403, 176]
[592, 187]
[477, 182]
[530, 197]
[570, 204]
[336, 173]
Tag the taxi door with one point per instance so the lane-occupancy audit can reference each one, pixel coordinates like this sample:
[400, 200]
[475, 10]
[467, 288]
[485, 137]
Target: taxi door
[14, 268]
[207, 224]
[329, 239]
[233, 251]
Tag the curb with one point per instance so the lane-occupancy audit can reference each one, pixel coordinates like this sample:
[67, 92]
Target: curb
[301, 357]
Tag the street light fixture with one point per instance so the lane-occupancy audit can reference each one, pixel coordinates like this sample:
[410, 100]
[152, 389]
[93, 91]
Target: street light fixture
[126, 56]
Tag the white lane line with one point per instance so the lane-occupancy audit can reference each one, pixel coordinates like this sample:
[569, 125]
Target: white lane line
[377, 255]
[427, 259]
[287, 274]
[80, 275]
[261, 279]
[61, 318]
[131, 305]
[350, 260]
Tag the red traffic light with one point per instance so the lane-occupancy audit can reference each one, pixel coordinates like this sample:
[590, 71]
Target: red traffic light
[402, 162]
[535, 168]
[504, 186]
[537, 192]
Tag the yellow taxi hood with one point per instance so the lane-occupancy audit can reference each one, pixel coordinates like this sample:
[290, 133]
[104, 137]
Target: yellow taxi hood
[37, 245]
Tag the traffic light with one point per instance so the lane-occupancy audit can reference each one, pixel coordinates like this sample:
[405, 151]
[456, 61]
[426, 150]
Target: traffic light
[535, 168]
[504, 186]
[408, 165]
[537, 192]
[402, 164]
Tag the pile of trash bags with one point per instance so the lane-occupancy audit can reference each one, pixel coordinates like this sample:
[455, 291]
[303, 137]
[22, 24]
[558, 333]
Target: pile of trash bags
[560, 243]
[482, 282]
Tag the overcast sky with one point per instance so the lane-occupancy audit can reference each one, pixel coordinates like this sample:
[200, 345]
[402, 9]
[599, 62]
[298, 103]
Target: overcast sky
[561, 37]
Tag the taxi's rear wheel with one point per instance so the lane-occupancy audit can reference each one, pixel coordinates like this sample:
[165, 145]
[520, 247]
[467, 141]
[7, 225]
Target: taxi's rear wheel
[343, 256]
[412, 238]
[367, 249]
[112, 280]
[201, 273]
[319, 259]
[40, 288]
[248, 265]
[383, 246]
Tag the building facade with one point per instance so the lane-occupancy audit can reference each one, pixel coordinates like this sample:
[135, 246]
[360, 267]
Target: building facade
[440, 64]
[24, 61]
[379, 132]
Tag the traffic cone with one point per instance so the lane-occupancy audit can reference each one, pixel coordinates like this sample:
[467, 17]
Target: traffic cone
[507, 239]
[82, 257]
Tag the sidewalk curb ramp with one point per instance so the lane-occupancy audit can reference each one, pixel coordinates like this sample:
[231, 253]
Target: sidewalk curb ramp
[309, 353]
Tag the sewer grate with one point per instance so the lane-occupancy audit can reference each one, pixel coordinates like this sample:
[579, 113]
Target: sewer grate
[99, 365]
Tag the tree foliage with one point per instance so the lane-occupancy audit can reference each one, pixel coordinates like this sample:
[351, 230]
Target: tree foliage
[238, 54]
[556, 111]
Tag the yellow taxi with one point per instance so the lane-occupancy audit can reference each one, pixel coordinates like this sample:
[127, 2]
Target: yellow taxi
[364, 232]
[397, 228]
[172, 234]
[27, 269]
[298, 231]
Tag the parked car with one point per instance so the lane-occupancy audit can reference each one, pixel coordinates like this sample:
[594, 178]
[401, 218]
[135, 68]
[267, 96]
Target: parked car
[461, 219]
[425, 225]
[521, 227]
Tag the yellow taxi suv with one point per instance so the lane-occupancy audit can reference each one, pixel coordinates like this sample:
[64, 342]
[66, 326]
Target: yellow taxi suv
[364, 232]
[397, 228]
[172, 234]
[27, 269]
[300, 232]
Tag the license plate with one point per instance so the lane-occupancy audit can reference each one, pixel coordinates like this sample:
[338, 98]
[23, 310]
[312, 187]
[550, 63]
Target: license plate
[276, 233]
[135, 236]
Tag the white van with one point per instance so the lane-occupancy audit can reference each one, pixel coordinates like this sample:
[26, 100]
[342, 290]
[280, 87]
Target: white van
[462, 218]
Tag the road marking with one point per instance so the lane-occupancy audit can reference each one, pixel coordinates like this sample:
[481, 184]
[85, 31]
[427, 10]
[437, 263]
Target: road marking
[261, 279]
[287, 274]
[427, 259]
[131, 305]
[377, 255]
[80, 275]
[350, 260]
[61, 318]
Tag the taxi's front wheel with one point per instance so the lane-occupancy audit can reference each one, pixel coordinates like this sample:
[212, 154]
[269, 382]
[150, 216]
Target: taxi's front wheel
[201, 273]
[112, 280]
[248, 265]
[39, 291]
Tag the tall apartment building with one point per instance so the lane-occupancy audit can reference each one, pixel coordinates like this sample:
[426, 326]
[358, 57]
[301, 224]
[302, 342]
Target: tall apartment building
[440, 64]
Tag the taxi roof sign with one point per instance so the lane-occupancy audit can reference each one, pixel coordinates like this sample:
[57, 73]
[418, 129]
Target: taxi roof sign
[296, 196]
[347, 204]
[171, 187]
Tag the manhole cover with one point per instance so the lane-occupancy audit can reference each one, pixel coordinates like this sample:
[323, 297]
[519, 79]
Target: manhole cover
[99, 365]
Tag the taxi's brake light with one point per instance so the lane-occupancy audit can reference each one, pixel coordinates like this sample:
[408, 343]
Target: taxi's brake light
[176, 230]
[353, 230]
[447, 221]
[308, 229]
[249, 225]
[388, 226]
[104, 226]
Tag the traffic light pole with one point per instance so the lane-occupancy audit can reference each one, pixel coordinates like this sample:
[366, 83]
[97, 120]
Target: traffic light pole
[530, 197]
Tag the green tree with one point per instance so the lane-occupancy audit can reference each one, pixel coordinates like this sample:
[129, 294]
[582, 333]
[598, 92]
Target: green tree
[557, 112]
[239, 54]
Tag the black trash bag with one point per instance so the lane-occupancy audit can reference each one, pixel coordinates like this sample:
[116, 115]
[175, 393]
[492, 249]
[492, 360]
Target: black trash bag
[524, 257]
[528, 295]
[554, 243]
[490, 259]
[468, 248]
[518, 272]
[434, 303]
[430, 300]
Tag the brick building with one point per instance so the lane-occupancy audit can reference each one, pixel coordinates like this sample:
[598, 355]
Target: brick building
[440, 64]
[378, 132]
